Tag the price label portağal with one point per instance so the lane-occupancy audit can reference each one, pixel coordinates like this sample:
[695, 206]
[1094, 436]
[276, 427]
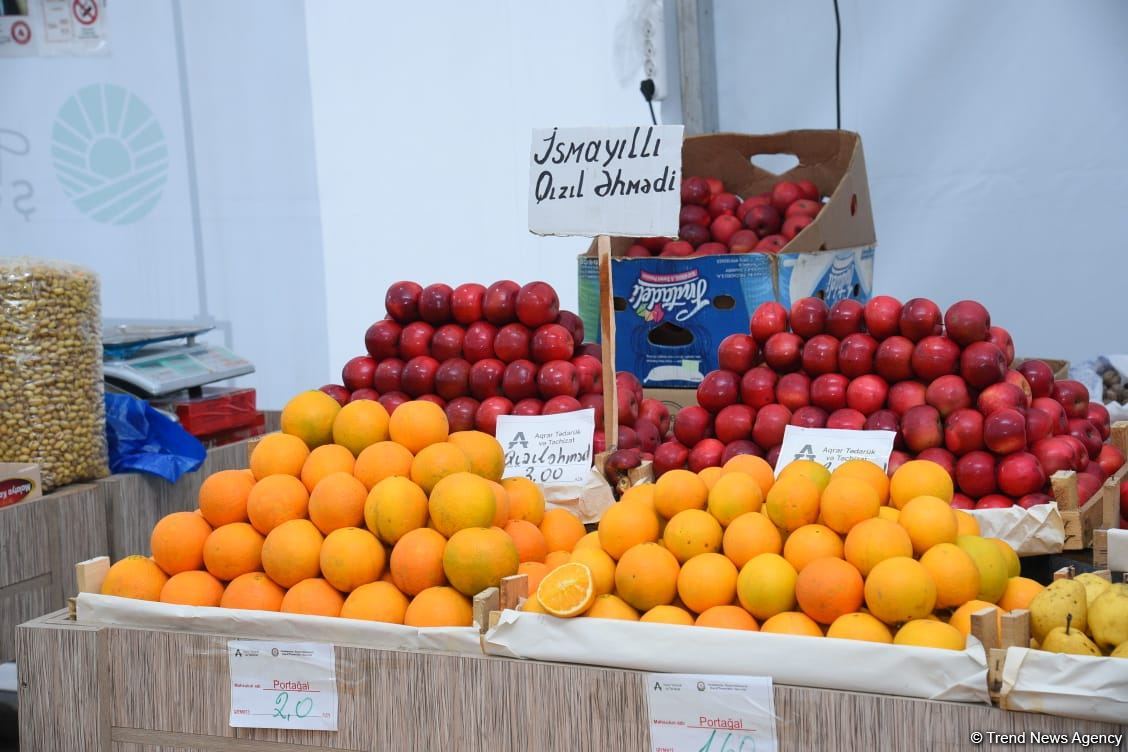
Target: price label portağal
[551, 450]
[833, 446]
[695, 713]
[290, 685]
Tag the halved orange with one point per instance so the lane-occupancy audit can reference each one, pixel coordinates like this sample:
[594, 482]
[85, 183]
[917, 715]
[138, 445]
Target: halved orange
[568, 590]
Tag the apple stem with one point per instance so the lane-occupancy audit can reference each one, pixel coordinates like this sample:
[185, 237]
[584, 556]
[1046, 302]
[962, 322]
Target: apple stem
[1068, 621]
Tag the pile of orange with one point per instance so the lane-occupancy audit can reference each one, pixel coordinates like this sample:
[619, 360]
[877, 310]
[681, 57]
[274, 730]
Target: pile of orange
[350, 513]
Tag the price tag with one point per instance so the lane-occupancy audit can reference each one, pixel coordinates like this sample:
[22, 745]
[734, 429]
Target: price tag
[605, 181]
[290, 685]
[833, 446]
[694, 713]
[551, 450]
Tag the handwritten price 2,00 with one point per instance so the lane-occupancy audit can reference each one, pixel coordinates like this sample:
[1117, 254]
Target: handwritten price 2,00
[740, 743]
[302, 709]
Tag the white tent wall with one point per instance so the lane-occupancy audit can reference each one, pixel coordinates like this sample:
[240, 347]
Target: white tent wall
[995, 142]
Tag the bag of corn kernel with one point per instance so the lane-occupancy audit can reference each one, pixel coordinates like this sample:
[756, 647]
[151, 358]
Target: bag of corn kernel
[51, 409]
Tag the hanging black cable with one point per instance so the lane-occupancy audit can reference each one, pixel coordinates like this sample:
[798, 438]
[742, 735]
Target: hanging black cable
[647, 88]
[837, 68]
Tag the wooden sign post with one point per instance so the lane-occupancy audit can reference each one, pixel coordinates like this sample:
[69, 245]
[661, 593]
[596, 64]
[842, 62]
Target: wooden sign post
[607, 342]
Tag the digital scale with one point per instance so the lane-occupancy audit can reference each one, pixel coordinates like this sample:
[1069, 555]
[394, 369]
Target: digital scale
[151, 360]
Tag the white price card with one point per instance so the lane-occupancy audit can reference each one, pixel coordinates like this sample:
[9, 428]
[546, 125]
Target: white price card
[696, 713]
[833, 446]
[605, 181]
[551, 450]
[291, 685]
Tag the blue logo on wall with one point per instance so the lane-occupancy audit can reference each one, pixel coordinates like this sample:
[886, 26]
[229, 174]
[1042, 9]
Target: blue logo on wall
[110, 154]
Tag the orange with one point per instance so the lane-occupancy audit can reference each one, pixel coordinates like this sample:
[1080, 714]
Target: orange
[568, 590]
[766, 586]
[223, 496]
[254, 591]
[437, 461]
[279, 454]
[376, 601]
[421, 424]
[351, 557]
[706, 581]
[533, 606]
[611, 607]
[291, 552]
[874, 541]
[889, 513]
[529, 540]
[395, 506]
[177, 542]
[792, 623]
[276, 499]
[647, 576]
[866, 471]
[928, 521]
[809, 469]
[337, 502]
[961, 617]
[325, 460]
[501, 501]
[1020, 591]
[416, 562]
[727, 617]
[477, 558]
[954, 572]
[899, 590]
[383, 459]
[793, 502]
[733, 495]
[919, 478]
[313, 596]
[602, 568]
[927, 633]
[756, 467]
[643, 493]
[859, 626]
[668, 615]
[556, 558]
[692, 532]
[460, 501]
[846, 502]
[360, 424]
[678, 490]
[232, 550]
[828, 588]
[192, 589]
[966, 524]
[750, 535]
[710, 475]
[562, 530]
[535, 571]
[483, 451]
[811, 542]
[627, 524]
[135, 577]
[309, 416]
[590, 540]
[526, 500]
[438, 606]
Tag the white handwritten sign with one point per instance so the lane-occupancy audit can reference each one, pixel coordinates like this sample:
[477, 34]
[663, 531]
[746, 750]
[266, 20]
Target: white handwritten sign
[605, 181]
[290, 685]
[551, 450]
[833, 446]
[694, 713]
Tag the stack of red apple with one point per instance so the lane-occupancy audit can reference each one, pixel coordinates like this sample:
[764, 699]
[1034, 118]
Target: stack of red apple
[943, 382]
[715, 221]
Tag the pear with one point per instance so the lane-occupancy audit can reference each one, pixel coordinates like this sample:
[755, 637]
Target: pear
[1108, 619]
[1094, 585]
[1121, 651]
[1066, 640]
[1053, 606]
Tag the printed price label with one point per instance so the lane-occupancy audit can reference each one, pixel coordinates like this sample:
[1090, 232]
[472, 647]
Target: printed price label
[605, 181]
[551, 450]
[833, 446]
[290, 685]
[694, 713]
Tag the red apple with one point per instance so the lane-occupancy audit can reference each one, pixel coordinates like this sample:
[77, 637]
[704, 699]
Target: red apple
[856, 354]
[762, 199]
[883, 316]
[512, 342]
[883, 420]
[499, 305]
[922, 428]
[706, 454]
[1087, 434]
[960, 501]
[536, 304]
[711, 249]
[738, 353]
[1034, 499]
[757, 387]
[1094, 469]
[722, 228]
[434, 304]
[794, 225]
[402, 301]
[1080, 451]
[1039, 425]
[1020, 474]
[793, 390]
[551, 342]
[742, 241]
[963, 432]
[573, 323]
[820, 355]
[599, 441]
[768, 319]
[418, 375]
[967, 321]
[737, 448]
[1004, 431]
[734, 423]
[358, 373]
[534, 406]
[461, 412]
[519, 380]
[975, 474]
[692, 214]
[364, 394]
[695, 190]
[905, 395]
[391, 400]
[628, 439]
[716, 187]
[941, 457]
[695, 235]
[763, 220]
[1058, 419]
[846, 418]
[867, 394]
[562, 403]
[772, 457]
[808, 189]
[466, 304]
[1087, 487]
[433, 399]
[894, 359]
[558, 378]
[676, 249]
[845, 318]
[1039, 376]
[1054, 454]
[982, 364]
[829, 391]
[382, 339]
[1097, 414]
[447, 342]
[948, 394]
[896, 459]
[488, 412]
[934, 357]
[994, 501]
[1000, 396]
[1016, 378]
[783, 352]
[485, 377]
[648, 436]
[477, 343]
[1000, 338]
[669, 456]
[590, 348]
[920, 318]
[452, 378]
[771, 244]
[803, 207]
[771, 421]
[809, 416]
[656, 412]
[784, 194]
[723, 203]
[337, 392]
[593, 401]
[627, 380]
[718, 390]
[590, 372]
[692, 424]
[387, 376]
[415, 340]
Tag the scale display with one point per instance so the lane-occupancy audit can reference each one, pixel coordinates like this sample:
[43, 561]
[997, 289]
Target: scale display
[158, 370]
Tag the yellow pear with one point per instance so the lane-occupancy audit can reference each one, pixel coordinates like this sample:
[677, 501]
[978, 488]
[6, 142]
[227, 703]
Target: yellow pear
[1066, 640]
[1108, 619]
[1055, 605]
[1094, 585]
[1121, 651]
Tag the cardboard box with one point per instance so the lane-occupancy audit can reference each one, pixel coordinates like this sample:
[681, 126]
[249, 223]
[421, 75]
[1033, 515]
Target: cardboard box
[670, 314]
[19, 481]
